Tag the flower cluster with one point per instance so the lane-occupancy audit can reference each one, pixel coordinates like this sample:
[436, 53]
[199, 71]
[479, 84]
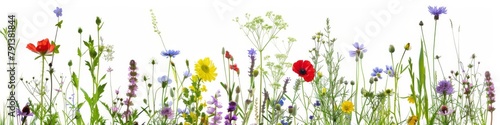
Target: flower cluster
[490, 94]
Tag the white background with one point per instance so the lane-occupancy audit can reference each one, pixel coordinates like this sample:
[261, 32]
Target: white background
[201, 28]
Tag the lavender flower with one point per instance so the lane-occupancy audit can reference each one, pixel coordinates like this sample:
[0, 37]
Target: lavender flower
[437, 11]
[389, 71]
[114, 109]
[444, 88]
[167, 112]
[251, 54]
[170, 53]
[490, 91]
[229, 118]
[377, 72]
[212, 110]
[232, 106]
[360, 48]
[58, 12]
[445, 111]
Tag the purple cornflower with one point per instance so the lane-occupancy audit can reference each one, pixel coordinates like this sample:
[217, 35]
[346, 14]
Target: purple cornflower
[377, 72]
[170, 53]
[389, 71]
[437, 11]
[490, 91]
[167, 112]
[444, 110]
[58, 11]
[444, 88]
[24, 113]
[360, 48]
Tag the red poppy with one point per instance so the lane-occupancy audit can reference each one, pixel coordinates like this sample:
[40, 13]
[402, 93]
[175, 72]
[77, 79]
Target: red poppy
[305, 70]
[43, 47]
[235, 68]
[228, 55]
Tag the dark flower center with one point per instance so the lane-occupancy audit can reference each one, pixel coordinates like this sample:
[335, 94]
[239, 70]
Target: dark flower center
[302, 71]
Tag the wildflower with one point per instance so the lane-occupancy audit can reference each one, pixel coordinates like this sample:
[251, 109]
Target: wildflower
[167, 112]
[24, 113]
[437, 11]
[411, 99]
[228, 55]
[412, 120]
[164, 80]
[305, 70]
[360, 48]
[170, 53]
[43, 47]
[235, 68]
[205, 69]
[323, 90]
[389, 71]
[58, 12]
[317, 103]
[114, 109]
[109, 69]
[232, 106]
[444, 110]
[108, 49]
[490, 91]
[283, 122]
[311, 117]
[377, 72]
[203, 88]
[281, 101]
[444, 88]
[251, 54]
[187, 74]
[347, 107]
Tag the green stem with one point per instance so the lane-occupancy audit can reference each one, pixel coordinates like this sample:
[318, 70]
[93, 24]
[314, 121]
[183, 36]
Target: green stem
[260, 87]
[42, 92]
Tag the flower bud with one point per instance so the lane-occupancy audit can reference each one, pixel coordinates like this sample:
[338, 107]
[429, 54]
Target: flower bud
[391, 49]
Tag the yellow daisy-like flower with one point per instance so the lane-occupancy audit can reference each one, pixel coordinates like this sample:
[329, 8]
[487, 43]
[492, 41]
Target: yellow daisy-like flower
[347, 107]
[204, 88]
[411, 99]
[205, 69]
[412, 120]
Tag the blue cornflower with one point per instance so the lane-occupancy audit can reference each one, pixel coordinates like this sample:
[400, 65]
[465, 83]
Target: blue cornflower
[444, 88]
[437, 11]
[170, 53]
[377, 72]
[164, 80]
[187, 74]
[58, 11]
[252, 52]
[283, 122]
[389, 70]
[281, 101]
[360, 48]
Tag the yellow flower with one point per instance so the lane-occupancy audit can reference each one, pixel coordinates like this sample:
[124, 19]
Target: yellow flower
[192, 88]
[204, 88]
[194, 78]
[323, 90]
[200, 98]
[412, 120]
[193, 115]
[320, 74]
[205, 69]
[411, 99]
[347, 107]
[204, 104]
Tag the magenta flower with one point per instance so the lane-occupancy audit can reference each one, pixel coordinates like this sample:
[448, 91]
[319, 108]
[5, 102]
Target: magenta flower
[445, 110]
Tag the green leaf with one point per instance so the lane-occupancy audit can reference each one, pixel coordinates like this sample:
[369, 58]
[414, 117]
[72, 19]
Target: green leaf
[100, 89]
[79, 51]
[59, 24]
[102, 78]
[87, 97]
[74, 80]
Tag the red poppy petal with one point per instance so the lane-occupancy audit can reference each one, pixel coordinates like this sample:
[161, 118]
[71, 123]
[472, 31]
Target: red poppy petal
[51, 48]
[32, 47]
